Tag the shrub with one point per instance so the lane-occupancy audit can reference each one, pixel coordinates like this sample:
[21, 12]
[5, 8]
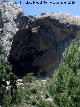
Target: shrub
[7, 95]
[45, 103]
[4, 75]
[65, 85]
[71, 56]
[5, 69]
[29, 77]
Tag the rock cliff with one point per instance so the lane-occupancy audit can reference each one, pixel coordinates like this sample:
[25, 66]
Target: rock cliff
[40, 46]
[11, 20]
[35, 44]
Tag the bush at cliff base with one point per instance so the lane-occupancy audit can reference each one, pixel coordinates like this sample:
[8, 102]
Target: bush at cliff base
[65, 85]
[71, 56]
[5, 91]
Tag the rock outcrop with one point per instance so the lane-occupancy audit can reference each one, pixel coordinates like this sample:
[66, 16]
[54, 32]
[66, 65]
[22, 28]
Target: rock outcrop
[11, 20]
[35, 44]
[40, 46]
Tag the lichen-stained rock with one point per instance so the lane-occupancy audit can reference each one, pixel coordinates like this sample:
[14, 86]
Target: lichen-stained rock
[40, 46]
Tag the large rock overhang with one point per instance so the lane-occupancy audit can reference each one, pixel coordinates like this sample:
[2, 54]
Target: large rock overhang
[39, 48]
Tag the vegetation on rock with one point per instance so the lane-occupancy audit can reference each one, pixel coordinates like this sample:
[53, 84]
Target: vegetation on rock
[63, 90]
[65, 85]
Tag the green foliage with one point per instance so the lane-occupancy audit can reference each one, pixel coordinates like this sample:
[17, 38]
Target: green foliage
[33, 91]
[72, 56]
[29, 77]
[5, 69]
[63, 90]
[4, 75]
[45, 103]
[7, 99]
[65, 85]
[10, 93]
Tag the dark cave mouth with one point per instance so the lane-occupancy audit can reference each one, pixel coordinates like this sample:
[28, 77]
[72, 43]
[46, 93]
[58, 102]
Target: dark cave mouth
[23, 66]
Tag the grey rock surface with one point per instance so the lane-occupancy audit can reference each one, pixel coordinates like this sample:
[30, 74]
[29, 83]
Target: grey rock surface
[11, 20]
[35, 44]
[39, 47]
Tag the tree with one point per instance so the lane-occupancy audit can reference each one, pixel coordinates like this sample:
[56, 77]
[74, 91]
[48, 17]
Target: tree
[13, 80]
[65, 85]
[71, 56]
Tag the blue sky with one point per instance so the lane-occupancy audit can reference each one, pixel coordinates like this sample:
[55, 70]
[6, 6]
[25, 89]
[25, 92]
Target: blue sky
[36, 9]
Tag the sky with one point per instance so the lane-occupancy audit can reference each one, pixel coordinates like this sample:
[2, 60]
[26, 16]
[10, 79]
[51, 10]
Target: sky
[37, 9]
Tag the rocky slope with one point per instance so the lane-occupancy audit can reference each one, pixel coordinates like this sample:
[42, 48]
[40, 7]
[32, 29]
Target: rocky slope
[40, 46]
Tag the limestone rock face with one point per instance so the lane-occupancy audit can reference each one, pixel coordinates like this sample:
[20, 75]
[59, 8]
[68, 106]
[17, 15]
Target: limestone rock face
[11, 21]
[40, 46]
[35, 44]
